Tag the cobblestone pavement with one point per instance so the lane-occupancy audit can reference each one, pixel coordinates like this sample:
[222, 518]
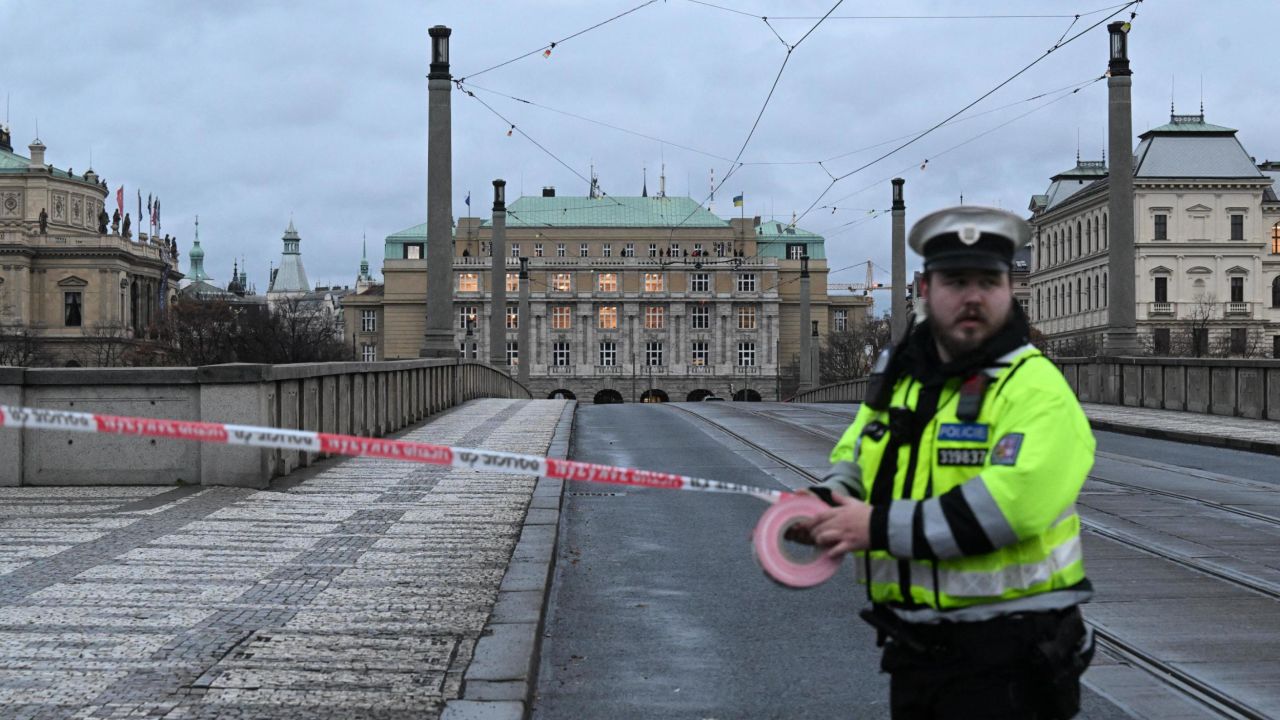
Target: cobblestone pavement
[1242, 433]
[358, 593]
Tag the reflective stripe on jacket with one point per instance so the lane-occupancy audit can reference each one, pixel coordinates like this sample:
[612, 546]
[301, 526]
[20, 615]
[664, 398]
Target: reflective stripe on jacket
[987, 513]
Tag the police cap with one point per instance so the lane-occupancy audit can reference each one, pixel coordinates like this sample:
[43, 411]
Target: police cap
[969, 237]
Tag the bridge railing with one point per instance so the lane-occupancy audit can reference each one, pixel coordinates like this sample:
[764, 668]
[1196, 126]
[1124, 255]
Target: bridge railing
[357, 398]
[1235, 387]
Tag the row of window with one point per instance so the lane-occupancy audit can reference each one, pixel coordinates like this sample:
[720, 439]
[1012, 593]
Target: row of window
[1160, 226]
[655, 317]
[1058, 245]
[654, 351]
[1063, 297]
[608, 282]
[628, 250]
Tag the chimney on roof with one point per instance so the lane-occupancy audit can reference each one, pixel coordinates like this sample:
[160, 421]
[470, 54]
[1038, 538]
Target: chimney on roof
[37, 154]
[549, 191]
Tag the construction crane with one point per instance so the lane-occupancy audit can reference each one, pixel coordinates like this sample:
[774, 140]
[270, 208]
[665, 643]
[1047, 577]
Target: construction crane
[864, 287]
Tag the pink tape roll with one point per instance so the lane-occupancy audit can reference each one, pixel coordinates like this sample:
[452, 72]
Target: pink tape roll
[769, 544]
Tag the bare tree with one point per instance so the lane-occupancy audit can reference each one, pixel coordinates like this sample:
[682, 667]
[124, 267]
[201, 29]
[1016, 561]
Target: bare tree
[106, 345]
[851, 353]
[201, 332]
[19, 346]
[1192, 336]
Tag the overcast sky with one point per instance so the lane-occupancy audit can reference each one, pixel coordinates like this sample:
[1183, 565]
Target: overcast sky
[246, 113]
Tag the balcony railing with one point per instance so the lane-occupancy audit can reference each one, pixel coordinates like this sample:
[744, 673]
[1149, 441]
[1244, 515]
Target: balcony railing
[700, 370]
[746, 370]
[1162, 308]
[560, 370]
[1238, 308]
[608, 369]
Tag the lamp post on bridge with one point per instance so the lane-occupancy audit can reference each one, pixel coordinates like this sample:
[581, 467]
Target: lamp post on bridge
[1122, 310]
[498, 278]
[438, 339]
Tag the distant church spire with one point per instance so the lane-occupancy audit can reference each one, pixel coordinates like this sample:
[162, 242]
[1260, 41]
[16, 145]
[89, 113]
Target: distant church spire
[644, 188]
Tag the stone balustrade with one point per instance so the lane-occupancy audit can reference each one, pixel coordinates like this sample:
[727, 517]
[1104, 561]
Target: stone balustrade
[1233, 387]
[370, 399]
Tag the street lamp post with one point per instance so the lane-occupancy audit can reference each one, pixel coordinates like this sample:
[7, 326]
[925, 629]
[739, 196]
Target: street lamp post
[1122, 311]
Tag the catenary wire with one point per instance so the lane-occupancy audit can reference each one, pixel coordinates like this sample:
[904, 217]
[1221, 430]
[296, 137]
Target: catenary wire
[562, 40]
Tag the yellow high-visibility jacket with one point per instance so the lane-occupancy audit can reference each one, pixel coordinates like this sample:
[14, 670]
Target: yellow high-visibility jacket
[972, 519]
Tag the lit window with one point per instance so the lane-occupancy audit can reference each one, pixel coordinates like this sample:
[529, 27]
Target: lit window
[746, 354]
[582, 250]
[653, 353]
[607, 250]
[655, 318]
[841, 320]
[560, 353]
[609, 353]
[513, 352]
[369, 352]
[1275, 239]
[746, 318]
[700, 354]
[513, 317]
[513, 282]
[559, 249]
[467, 316]
[560, 282]
[608, 317]
[700, 317]
[607, 282]
[653, 282]
[468, 282]
[413, 251]
[700, 282]
[747, 282]
[561, 318]
[368, 320]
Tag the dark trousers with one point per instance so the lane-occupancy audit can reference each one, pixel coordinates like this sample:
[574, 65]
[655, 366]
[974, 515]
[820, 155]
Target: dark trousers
[1025, 666]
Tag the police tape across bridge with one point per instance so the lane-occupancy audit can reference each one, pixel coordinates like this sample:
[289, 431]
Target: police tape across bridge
[767, 539]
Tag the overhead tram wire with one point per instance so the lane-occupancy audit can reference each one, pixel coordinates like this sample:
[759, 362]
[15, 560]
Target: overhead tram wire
[1057, 46]
[539, 145]
[561, 41]
[734, 165]
[949, 17]
[980, 135]
[593, 121]
[876, 214]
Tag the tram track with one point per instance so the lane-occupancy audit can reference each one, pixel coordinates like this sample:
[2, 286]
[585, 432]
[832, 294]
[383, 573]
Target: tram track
[1204, 694]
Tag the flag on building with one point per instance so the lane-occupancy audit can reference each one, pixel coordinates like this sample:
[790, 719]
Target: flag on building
[468, 200]
[120, 199]
[737, 201]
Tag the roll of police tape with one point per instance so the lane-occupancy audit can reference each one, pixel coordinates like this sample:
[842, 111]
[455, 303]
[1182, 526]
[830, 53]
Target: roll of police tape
[769, 543]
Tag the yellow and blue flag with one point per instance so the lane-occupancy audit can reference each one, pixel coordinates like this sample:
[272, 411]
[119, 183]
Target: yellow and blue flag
[737, 201]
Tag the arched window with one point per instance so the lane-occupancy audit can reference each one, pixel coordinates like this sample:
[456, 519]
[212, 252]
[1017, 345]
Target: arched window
[1079, 239]
[1088, 288]
[1275, 292]
[1105, 299]
[1088, 237]
[1106, 238]
[1097, 239]
[1079, 297]
[1275, 239]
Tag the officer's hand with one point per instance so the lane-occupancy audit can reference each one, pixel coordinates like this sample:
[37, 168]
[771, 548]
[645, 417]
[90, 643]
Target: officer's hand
[844, 528]
[799, 532]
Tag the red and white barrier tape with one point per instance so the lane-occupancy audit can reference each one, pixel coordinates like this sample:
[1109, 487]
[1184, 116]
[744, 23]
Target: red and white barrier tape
[768, 540]
[318, 442]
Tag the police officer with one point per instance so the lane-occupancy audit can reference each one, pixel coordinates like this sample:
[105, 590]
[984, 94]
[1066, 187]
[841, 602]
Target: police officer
[956, 485]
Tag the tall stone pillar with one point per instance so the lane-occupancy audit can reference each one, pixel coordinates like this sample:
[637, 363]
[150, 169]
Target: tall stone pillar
[806, 333]
[524, 347]
[898, 265]
[438, 341]
[1122, 309]
[498, 278]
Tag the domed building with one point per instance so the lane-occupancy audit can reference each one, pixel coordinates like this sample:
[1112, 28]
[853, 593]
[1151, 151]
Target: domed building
[75, 288]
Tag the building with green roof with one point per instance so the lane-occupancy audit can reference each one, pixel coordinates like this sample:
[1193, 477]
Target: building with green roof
[632, 298]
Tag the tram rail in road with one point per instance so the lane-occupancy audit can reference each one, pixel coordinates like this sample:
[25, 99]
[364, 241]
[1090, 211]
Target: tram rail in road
[1205, 694]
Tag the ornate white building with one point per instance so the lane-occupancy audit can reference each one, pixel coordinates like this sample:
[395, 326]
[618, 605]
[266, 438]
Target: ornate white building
[1207, 241]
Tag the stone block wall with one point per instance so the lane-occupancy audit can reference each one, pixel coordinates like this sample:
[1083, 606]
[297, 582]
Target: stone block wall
[371, 399]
